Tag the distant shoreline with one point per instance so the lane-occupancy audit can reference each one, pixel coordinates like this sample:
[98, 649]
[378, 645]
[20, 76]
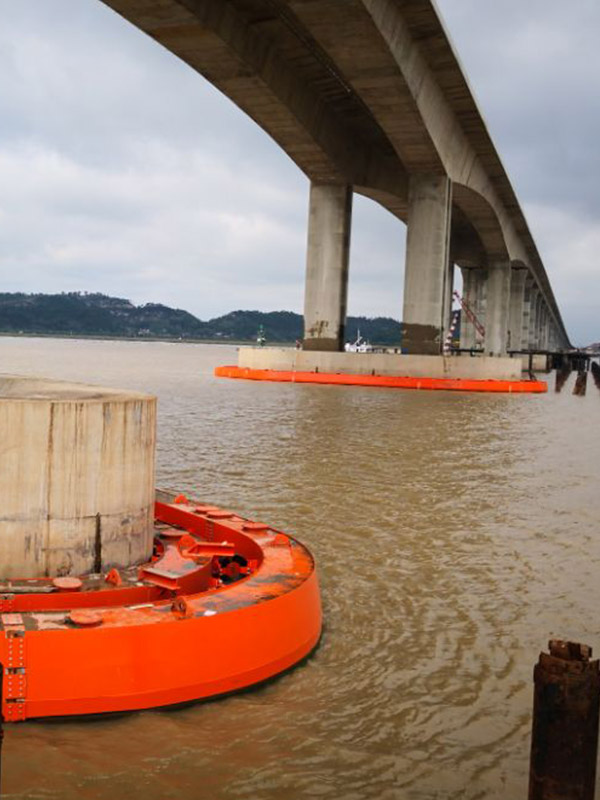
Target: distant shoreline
[98, 316]
[142, 339]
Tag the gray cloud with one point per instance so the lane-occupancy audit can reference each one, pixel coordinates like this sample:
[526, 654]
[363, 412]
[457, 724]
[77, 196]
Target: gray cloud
[534, 69]
[123, 171]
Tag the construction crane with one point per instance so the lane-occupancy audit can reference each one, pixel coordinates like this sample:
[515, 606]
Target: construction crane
[470, 314]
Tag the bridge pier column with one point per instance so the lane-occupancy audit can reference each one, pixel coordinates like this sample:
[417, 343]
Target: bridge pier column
[480, 287]
[427, 275]
[474, 291]
[326, 289]
[545, 328]
[542, 319]
[467, 329]
[517, 299]
[535, 310]
[539, 310]
[527, 297]
[557, 342]
[497, 308]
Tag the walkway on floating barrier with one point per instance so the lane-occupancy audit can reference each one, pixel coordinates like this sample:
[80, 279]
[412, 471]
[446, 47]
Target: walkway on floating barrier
[386, 381]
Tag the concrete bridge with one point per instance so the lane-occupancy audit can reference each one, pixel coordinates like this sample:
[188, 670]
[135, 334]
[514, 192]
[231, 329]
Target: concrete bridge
[368, 96]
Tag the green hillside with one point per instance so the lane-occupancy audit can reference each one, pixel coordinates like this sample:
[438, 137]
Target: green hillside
[81, 314]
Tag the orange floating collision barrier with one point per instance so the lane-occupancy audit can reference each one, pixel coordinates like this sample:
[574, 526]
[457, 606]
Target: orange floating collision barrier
[139, 637]
[383, 381]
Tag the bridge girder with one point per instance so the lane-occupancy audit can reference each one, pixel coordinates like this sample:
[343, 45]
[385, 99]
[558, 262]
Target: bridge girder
[361, 92]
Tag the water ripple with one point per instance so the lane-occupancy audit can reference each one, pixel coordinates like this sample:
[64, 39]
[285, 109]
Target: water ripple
[454, 535]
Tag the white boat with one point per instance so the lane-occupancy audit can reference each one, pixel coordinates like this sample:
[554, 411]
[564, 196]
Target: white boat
[359, 346]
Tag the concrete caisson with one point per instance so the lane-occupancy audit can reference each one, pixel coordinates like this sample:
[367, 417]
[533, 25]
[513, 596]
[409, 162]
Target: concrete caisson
[76, 477]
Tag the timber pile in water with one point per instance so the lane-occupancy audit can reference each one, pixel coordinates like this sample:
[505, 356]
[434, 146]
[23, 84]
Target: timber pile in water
[562, 376]
[580, 383]
[596, 373]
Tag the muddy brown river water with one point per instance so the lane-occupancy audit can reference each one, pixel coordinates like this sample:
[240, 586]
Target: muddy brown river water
[454, 533]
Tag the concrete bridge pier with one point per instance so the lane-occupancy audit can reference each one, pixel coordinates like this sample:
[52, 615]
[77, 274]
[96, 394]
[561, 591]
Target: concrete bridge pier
[556, 340]
[541, 325]
[467, 329]
[77, 480]
[379, 104]
[527, 297]
[474, 293]
[326, 291]
[517, 303]
[545, 328]
[480, 281]
[497, 308]
[538, 320]
[427, 274]
[535, 312]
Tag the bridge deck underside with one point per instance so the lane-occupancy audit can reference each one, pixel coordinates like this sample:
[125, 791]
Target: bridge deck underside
[323, 79]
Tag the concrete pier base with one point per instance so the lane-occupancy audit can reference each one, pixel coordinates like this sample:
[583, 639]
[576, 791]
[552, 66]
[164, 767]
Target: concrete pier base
[287, 358]
[77, 478]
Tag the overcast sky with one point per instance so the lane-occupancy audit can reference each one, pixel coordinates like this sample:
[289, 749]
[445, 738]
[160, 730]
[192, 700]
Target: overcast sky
[124, 172]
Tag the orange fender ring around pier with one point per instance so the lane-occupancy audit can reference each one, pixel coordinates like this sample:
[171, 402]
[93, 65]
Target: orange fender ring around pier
[385, 381]
[224, 603]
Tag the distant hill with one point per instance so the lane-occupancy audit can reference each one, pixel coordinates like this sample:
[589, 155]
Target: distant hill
[82, 314]
[92, 314]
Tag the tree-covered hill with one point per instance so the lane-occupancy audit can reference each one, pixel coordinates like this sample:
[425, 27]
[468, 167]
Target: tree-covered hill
[79, 313]
[92, 314]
